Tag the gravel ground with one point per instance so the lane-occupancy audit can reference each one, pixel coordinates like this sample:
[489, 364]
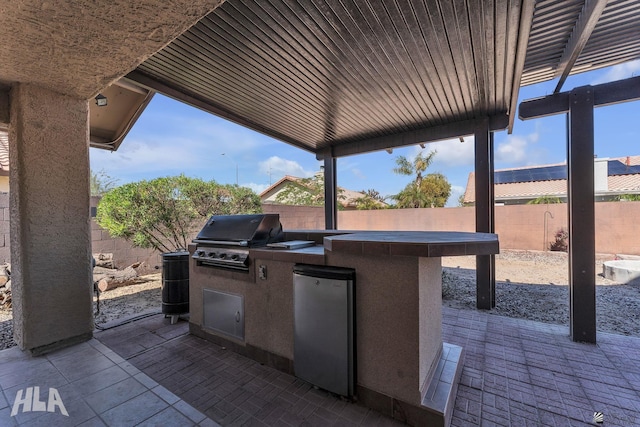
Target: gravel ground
[127, 301]
[534, 285]
[529, 285]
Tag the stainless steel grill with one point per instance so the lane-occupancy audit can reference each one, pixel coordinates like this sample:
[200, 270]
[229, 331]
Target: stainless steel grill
[225, 240]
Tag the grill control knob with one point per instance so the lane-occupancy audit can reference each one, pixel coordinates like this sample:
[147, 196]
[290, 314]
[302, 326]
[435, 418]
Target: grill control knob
[234, 257]
[200, 253]
[223, 256]
[212, 254]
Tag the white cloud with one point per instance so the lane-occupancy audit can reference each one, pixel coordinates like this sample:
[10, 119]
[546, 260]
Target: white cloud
[619, 72]
[258, 188]
[451, 152]
[535, 136]
[278, 167]
[513, 150]
[352, 167]
[139, 157]
[519, 150]
[199, 129]
[165, 144]
[456, 192]
[358, 173]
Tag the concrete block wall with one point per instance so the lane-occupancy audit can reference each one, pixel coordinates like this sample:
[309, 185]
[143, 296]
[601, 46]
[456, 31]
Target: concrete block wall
[297, 217]
[124, 254]
[617, 227]
[528, 227]
[448, 219]
[523, 226]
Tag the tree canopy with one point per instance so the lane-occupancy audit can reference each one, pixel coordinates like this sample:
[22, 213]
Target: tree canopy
[100, 183]
[305, 192]
[545, 200]
[432, 190]
[164, 213]
[372, 199]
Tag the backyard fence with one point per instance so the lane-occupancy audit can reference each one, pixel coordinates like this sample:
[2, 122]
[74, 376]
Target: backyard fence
[530, 227]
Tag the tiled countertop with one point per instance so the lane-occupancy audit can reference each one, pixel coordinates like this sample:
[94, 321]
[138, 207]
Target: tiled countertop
[414, 243]
[309, 255]
[398, 243]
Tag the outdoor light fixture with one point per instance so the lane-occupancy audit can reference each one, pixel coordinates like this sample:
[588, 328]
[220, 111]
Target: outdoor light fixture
[101, 100]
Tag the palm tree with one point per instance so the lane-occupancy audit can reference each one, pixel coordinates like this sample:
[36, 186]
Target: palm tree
[429, 191]
[419, 165]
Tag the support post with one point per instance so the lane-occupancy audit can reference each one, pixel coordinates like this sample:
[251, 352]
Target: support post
[492, 204]
[50, 226]
[579, 105]
[485, 264]
[330, 193]
[581, 214]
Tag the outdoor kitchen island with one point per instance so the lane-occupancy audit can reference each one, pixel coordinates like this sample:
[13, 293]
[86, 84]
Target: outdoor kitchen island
[403, 368]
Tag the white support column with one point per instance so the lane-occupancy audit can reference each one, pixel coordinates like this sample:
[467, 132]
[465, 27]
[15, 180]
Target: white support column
[50, 228]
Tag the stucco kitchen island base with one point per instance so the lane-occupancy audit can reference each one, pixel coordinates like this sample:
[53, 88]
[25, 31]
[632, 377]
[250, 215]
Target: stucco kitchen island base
[403, 369]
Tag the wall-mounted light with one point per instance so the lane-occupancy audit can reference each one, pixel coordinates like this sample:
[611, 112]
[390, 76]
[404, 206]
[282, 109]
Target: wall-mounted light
[101, 100]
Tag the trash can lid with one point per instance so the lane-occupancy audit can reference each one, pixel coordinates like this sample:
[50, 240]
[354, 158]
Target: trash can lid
[175, 254]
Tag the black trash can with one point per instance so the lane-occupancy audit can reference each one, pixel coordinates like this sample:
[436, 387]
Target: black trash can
[175, 284]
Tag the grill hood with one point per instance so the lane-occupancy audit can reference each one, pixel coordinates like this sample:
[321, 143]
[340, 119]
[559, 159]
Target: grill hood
[241, 230]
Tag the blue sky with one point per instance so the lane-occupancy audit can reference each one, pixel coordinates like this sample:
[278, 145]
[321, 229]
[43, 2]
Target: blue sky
[171, 138]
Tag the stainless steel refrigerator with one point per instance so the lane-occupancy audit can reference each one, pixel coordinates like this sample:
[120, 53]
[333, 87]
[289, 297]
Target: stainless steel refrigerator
[324, 326]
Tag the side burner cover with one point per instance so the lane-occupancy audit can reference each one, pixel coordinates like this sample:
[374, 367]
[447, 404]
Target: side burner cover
[249, 230]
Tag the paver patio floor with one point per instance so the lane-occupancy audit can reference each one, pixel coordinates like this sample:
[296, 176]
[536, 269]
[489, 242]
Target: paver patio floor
[520, 373]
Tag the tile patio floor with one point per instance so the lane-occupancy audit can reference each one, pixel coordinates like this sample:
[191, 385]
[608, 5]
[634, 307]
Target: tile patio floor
[96, 387]
[516, 372]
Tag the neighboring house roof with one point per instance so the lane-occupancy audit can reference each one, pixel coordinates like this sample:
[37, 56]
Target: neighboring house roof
[347, 199]
[623, 176]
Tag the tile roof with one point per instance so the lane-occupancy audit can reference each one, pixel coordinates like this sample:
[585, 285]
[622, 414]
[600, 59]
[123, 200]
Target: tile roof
[348, 197]
[624, 182]
[617, 182]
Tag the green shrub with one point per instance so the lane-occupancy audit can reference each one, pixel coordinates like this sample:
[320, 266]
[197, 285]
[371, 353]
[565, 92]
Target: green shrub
[561, 242]
[164, 213]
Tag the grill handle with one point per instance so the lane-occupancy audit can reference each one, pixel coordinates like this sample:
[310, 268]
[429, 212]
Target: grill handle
[242, 243]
